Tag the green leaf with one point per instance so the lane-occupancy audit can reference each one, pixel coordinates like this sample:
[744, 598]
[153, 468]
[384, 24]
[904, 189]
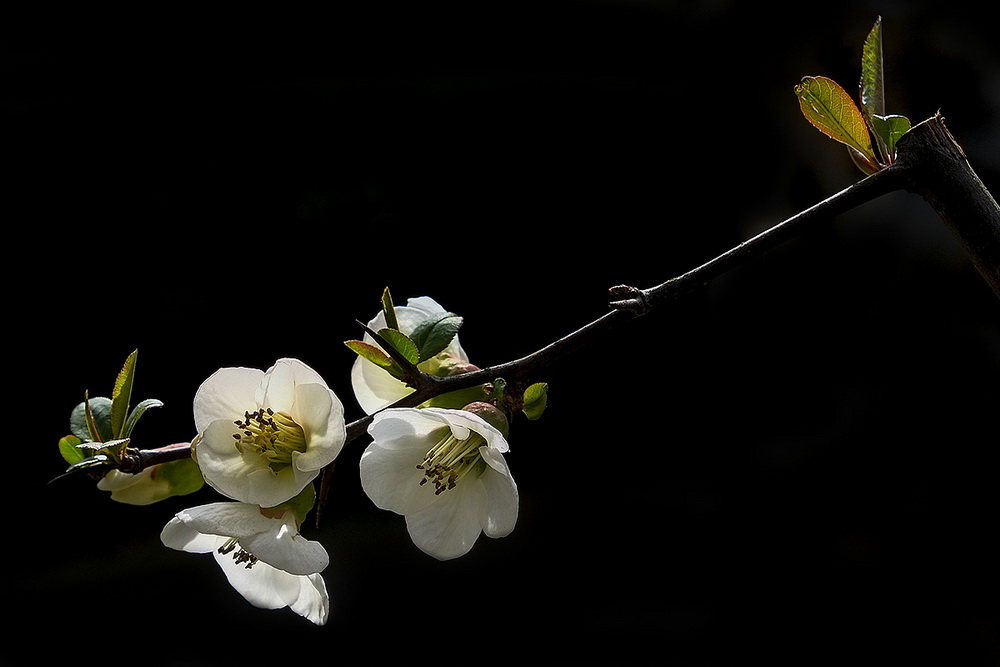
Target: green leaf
[122, 395]
[389, 309]
[832, 111]
[872, 83]
[69, 450]
[91, 419]
[375, 355]
[137, 412]
[113, 447]
[370, 352]
[401, 343]
[435, 333]
[535, 400]
[888, 130]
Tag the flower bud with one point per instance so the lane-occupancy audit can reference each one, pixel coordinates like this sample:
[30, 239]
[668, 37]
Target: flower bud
[491, 414]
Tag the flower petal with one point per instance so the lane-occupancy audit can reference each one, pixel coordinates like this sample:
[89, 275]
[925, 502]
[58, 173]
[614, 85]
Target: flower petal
[228, 519]
[449, 527]
[283, 548]
[179, 535]
[312, 602]
[390, 478]
[500, 513]
[226, 394]
[321, 415]
[277, 390]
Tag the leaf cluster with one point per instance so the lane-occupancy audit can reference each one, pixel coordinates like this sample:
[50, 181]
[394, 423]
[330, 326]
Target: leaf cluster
[869, 134]
[100, 427]
[398, 353]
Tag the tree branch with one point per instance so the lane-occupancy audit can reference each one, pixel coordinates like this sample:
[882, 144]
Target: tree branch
[935, 167]
[929, 162]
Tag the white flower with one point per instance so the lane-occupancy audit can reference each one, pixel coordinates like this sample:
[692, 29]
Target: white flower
[263, 436]
[444, 471]
[373, 387]
[261, 553]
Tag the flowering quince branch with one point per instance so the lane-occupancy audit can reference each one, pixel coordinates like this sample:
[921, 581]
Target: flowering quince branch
[438, 425]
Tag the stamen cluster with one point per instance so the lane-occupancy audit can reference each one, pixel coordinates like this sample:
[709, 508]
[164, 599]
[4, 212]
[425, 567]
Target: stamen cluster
[241, 556]
[450, 460]
[273, 435]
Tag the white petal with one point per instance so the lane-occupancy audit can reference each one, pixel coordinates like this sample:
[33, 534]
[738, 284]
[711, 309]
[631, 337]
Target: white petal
[321, 415]
[268, 488]
[223, 466]
[229, 519]
[450, 526]
[373, 387]
[226, 394]
[391, 479]
[277, 391]
[269, 588]
[178, 535]
[286, 550]
[500, 513]
[313, 602]
[262, 585]
[462, 422]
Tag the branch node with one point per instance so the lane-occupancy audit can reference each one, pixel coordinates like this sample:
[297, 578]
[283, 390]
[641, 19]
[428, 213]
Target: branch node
[632, 299]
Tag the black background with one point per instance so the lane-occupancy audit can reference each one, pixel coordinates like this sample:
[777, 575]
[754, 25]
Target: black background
[796, 466]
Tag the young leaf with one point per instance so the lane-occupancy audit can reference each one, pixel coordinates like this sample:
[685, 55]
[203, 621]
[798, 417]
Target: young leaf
[872, 83]
[401, 343]
[435, 333]
[69, 450]
[137, 412]
[389, 310]
[535, 399]
[370, 352]
[888, 130]
[91, 419]
[122, 395]
[832, 111]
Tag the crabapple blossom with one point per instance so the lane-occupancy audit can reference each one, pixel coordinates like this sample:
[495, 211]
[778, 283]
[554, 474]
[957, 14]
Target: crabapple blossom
[263, 436]
[445, 472]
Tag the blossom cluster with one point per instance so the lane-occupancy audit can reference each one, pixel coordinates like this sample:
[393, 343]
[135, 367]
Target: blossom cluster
[264, 436]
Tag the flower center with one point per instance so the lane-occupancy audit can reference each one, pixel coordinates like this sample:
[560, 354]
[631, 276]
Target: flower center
[272, 435]
[241, 556]
[450, 460]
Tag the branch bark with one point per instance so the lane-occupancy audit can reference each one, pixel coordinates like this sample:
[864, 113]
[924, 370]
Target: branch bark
[934, 166]
[929, 163]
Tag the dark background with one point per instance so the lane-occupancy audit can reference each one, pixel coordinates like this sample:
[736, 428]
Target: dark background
[796, 466]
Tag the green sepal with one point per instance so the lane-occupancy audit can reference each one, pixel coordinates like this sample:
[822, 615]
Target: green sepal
[183, 476]
[535, 400]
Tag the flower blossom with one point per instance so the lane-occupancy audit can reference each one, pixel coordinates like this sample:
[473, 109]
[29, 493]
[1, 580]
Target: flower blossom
[445, 472]
[263, 436]
[261, 553]
[376, 389]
